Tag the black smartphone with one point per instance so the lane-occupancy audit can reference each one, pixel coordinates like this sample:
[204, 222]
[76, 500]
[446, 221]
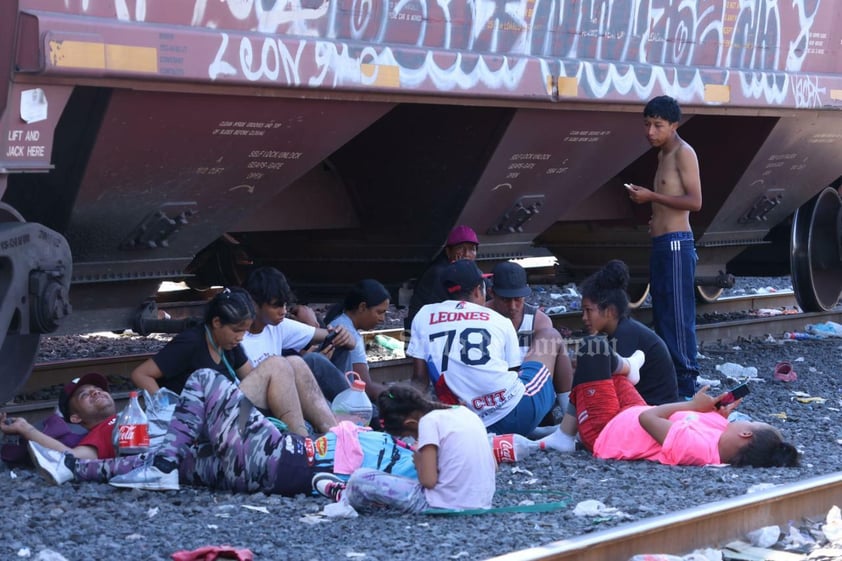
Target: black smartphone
[328, 340]
[733, 395]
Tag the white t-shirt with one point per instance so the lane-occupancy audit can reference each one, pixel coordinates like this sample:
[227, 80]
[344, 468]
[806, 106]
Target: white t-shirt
[473, 347]
[289, 334]
[467, 469]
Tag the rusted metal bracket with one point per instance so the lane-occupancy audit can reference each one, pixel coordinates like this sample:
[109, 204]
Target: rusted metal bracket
[759, 212]
[157, 228]
[520, 213]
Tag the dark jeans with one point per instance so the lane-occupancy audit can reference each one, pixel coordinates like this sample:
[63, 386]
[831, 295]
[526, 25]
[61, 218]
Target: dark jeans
[331, 380]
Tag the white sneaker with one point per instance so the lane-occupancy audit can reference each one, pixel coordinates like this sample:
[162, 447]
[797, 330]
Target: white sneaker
[147, 477]
[50, 463]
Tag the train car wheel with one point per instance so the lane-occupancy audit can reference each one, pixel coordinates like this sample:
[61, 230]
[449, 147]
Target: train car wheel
[637, 294]
[708, 294]
[815, 252]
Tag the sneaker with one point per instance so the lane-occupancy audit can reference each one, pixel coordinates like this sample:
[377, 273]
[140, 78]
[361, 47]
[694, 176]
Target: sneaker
[51, 463]
[147, 477]
[328, 485]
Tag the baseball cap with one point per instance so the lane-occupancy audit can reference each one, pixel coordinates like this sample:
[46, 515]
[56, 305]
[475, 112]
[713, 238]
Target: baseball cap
[510, 280]
[462, 234]
[92, 379]
[461, 275]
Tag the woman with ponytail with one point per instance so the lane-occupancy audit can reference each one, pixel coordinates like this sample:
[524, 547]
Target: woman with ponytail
[605, 310]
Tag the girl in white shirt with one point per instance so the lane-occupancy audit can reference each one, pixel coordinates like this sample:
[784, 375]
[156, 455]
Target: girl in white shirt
[455, 463]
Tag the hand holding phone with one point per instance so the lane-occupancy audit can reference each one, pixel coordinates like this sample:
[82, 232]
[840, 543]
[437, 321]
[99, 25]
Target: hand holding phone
[733, 395]
[328, 340]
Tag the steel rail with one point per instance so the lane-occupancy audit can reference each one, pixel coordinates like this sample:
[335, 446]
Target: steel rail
[710, 525]
[52, 373]
[775, 301]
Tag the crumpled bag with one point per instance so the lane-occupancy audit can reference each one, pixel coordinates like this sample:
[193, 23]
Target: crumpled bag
[765, 537]
[832, 528]
[213, 552]
[826, 329]
[340, 509]
[592, 507]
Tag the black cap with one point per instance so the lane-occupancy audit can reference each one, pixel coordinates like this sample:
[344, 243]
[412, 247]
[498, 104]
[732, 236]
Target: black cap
[92, 379]
[461, 276]
[510, 280]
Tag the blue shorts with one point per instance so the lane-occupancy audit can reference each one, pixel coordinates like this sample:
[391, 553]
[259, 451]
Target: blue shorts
[536, 402]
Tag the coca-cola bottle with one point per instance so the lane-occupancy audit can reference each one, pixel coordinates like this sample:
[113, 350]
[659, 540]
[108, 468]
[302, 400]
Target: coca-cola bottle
[510, 448]
[132, 428]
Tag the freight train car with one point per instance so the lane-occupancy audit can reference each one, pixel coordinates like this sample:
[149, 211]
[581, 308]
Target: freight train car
[152, 140]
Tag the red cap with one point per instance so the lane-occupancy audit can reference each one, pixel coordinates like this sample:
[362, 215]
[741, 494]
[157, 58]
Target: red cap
[462, 234]
[92, 379]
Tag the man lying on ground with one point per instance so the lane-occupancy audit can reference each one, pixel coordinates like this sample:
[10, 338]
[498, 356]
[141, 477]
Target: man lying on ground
[218, 439]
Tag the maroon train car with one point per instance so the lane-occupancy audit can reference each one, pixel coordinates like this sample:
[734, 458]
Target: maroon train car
[152, 140]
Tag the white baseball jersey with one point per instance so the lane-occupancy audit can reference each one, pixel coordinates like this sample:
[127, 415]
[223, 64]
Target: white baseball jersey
[473, 347]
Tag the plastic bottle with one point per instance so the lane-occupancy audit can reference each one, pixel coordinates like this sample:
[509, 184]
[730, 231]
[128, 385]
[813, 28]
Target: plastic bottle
[353, 404]
[800, 336]
[510, 448]
[132, 428]
[737, 371]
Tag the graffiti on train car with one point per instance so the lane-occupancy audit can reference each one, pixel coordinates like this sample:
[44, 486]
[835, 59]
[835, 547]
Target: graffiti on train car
[749, 35]
[608, 49]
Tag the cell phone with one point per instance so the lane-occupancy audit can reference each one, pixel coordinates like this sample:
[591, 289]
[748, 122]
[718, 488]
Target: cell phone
[628, 185]
[328, 340]
[733, 395]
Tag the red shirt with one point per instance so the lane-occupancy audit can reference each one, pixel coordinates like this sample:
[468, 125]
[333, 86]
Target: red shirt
[101, 438]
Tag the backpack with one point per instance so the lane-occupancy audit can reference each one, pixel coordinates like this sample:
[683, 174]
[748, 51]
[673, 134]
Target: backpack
[15, 453]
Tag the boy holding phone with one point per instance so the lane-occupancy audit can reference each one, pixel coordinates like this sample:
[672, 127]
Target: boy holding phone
[273, 334]
[676, 192]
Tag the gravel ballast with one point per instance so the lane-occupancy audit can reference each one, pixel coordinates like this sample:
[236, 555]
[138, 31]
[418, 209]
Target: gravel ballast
[84, 521]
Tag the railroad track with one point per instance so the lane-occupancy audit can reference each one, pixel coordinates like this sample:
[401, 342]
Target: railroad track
[52, 373]
[750, 326]
[710, 525]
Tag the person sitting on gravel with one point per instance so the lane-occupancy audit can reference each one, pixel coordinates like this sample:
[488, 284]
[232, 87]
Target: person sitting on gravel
[605, 310]
[462, 243]
[86, 402]
[615, 423]
[273, 334]
[456, 467]
[508, 297]
[472, 356]
[364, 308]
[292, 395]
[218, 439]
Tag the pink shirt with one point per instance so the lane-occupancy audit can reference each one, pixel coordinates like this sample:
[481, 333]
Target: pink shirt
[693, 439]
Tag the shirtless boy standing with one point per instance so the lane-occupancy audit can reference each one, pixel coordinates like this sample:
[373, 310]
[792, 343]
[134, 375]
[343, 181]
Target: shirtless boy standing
[676, 192]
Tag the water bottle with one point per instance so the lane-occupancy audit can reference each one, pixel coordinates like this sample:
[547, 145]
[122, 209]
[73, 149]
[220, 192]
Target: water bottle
[353, 404]
[510, 448]
[132, 428]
